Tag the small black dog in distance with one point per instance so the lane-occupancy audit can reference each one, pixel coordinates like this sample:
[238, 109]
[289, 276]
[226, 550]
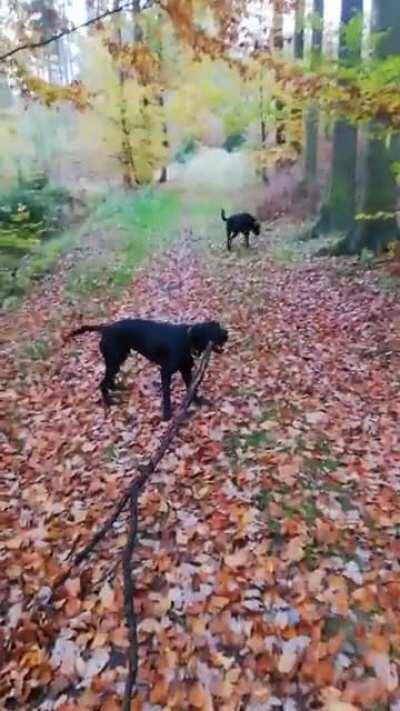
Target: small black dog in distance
[170, 346]
[242, 223]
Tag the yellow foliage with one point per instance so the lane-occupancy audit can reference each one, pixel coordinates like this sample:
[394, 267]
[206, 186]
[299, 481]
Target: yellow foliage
[50, 94]
[141, 103]
[136, 60]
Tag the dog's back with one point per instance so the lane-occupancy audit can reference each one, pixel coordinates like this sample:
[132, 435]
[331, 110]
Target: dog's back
[240, 222]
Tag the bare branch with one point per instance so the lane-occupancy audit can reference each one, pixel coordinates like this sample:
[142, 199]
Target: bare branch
[135, 490]
[129, 605]
[132, 496]
[65, 32]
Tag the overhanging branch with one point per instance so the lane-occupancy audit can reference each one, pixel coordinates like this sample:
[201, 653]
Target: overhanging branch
[66, 31]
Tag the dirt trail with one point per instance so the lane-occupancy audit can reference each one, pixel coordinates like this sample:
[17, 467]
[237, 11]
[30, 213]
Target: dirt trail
[267, 570]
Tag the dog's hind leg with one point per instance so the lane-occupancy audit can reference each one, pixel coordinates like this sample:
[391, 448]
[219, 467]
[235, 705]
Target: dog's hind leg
[113, 358]
[166, 376]
[107, 383]
[246, 239]
[230, 238]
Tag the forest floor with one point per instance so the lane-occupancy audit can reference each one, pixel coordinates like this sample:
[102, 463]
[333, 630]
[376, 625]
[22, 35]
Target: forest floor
[267, 569]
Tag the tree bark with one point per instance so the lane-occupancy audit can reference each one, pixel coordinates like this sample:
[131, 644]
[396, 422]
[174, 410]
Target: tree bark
[263, 131]
[126, 155]
[277, 42]
[299, 30]
[380, 187]
[312, 117]
[337, 214]
[164, 171]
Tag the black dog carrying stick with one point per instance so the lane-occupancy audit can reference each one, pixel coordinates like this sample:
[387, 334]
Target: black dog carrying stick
[132, 496]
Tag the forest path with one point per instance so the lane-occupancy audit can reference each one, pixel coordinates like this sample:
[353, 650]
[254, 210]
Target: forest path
[267, 571]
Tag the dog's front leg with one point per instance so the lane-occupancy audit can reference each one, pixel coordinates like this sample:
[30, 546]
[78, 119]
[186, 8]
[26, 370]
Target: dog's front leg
[166, 393]
[186, 373]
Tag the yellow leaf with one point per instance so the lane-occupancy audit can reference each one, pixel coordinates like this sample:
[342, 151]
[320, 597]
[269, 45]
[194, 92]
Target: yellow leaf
[294, 550]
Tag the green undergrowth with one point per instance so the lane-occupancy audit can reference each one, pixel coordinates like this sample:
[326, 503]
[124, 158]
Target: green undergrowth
[129, 229]
[35, 266]
[120, 233]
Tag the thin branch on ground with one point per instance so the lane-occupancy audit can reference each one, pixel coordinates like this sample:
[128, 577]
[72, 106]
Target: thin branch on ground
[108, 574]
[132, 496]
[129, 605]
[145, 471]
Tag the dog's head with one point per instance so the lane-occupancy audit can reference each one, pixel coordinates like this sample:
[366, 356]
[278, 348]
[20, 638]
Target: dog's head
[203, 333]
[256, 229]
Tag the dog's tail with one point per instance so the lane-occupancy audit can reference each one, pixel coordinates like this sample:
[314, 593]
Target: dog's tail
[223, 215]
[99, 328]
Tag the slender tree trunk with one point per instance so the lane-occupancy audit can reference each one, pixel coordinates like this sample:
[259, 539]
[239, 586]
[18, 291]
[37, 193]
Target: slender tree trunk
[380, 188]
[164, 171]
[312, 117]
[263, 132]
[299, 30]
[277, 42]
[126, 155]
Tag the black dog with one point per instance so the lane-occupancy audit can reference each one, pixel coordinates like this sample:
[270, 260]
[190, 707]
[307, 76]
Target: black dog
[242, 223]
[171, 346]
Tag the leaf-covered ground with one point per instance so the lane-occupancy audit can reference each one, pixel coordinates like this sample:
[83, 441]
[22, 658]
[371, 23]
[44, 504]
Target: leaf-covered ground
[267, 570]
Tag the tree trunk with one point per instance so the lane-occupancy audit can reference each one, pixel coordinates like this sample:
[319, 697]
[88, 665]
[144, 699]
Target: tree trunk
[277, 42]
[312, 117]
[337, 214]
[263, 132]
[164, 171]
[380, 187]
[299, 30]
[126, 155]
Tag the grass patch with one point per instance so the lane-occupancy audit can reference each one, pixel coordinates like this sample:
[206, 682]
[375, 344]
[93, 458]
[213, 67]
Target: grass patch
[124, 230]
[285, 254]
[36, 266]
[389, 283]
[38, 350]
[132, 228]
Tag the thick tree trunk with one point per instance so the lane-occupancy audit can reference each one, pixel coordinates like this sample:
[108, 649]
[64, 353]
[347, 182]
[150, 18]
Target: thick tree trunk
[337, 214]
[380, 196]
[380, 187]
[342, 194]
[312, 117]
